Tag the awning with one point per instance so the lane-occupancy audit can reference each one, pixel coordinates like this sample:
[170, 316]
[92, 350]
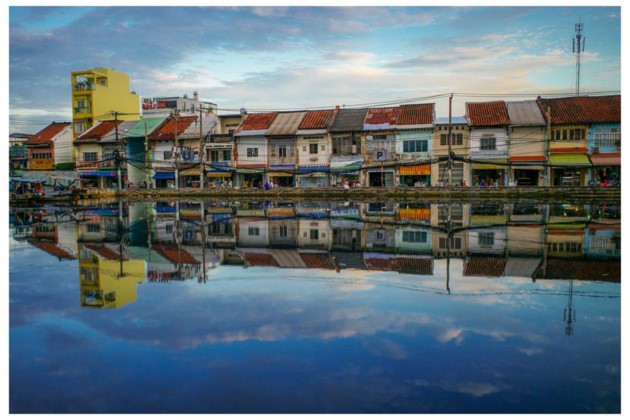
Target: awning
[490, 164]
[312, 175]
[190, 172]
[218, 174]
[164, 175]
[606, 160]
[250, 171]
[528, 167]
[98, 173]
[279, 174]
[569, 159]
[345, 163]
[415, 170]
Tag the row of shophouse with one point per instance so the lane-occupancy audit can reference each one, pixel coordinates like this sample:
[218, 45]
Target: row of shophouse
[542, 142]
[166, 241]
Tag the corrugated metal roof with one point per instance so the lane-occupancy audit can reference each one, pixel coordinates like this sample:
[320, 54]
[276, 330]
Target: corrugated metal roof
[583, 109]
[167, 130]
[47, 134]
[525, 113]
[349, 120]
[254, 122]
[521, 267]
[454, 120]
[381, 118]
[123, 130]
[487, 114]
[416, 114]
[208, 124]
[285, 124]
[346, 260]
[288, 258]
[99, 130]
[138, 129]
[316, 119]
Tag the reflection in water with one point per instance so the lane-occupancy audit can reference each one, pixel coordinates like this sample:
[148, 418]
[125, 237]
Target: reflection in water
[316, 307]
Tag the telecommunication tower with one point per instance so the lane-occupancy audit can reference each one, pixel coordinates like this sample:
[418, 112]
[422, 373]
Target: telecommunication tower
[578, 46]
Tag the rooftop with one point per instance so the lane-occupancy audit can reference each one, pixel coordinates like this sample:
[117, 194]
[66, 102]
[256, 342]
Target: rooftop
[487, 114]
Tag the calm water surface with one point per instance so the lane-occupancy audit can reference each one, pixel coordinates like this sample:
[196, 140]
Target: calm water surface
[315, 308]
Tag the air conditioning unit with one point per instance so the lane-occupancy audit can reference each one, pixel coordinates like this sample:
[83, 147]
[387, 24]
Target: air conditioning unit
[595, 149]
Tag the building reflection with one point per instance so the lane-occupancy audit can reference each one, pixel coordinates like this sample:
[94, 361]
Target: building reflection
[120, 245]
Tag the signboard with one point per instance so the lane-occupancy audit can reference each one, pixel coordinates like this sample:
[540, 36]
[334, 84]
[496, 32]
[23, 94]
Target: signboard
[381, 154]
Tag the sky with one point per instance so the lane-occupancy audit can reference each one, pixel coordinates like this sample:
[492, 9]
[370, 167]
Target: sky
[274, 57]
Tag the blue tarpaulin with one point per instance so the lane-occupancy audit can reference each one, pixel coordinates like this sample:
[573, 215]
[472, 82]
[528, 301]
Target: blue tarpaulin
[164, 175]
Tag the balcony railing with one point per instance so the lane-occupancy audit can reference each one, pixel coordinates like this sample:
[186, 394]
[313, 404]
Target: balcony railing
[82, 110]
[81, 86]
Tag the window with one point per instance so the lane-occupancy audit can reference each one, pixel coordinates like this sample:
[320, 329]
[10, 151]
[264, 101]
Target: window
[93, 228]
[312, 148]
[44, 155]
[282, 151]
[168, 155]
[458, 139]
[488, 143]
[574, 134]
[252, 152]
[606, 138]
[253, 231]
[411, 146]
[415, 237]
[342, 145]
[79, 127]
[314, 234]
[214, 155]
[227, 155]
[169, 228]
[456, 243]
[485, 239]
[284, 231]
[89, 156]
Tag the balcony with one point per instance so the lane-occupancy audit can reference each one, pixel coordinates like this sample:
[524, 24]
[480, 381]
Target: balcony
[80, 112]
[83, 86]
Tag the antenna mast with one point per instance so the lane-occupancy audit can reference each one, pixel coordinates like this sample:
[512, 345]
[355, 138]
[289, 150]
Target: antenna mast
[578, 47]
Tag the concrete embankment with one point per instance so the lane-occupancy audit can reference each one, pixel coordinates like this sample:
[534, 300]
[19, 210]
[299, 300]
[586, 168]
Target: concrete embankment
[608, 194]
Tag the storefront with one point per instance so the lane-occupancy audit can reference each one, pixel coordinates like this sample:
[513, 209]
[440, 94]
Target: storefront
[100, 179]
[250, 177]
[380, 177]
[569, 169]
[525, 174]
[164, 179]
[491, 174]
[216, 179]
[190, 177]
[282, 175]
[606, 169]
[415, 176]
[312, 176]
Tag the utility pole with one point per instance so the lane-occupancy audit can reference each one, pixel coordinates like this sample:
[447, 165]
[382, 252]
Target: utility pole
[117, 157]
[177, 148]
[450, 140]
[147, 161]
[578, 47]
[548, 167]
[202, 150]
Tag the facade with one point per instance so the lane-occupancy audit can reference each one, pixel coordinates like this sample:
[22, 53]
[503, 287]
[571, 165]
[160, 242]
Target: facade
[460, 147]
[314, 145]
[414, 144]
[489, 129]
[251, 149]
[96, 93]
[95, 151]
[18, 152]
[346, 158]
[140, 168]
[51, 148]
[185, 106]
[528, 144]
[604, 139]
[379, 147]
[568, 120]
[282, 151]
[219, 150]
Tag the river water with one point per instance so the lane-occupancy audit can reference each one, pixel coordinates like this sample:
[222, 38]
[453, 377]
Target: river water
[271, 307]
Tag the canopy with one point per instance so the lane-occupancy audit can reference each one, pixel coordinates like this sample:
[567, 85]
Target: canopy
[164, 175]
[569, 159]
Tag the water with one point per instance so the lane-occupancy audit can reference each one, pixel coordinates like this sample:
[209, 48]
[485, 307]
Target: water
[315, 308]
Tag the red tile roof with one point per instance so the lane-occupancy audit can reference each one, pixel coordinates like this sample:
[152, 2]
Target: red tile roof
[47, 134]
[316, 119]
[484, 266]
[382, 116]
[99, 130]
[416, 114]
[382, 264]
[487, 114]
[104, 252]
[560, 269]
[167, 130]
[583, 109]
[314, 260]
[171, 253]
[415, 265]
[257, 121]
[53, 249]
[260, 260]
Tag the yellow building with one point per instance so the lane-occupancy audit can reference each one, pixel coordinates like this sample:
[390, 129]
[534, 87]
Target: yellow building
[96, 93]
[107, 281]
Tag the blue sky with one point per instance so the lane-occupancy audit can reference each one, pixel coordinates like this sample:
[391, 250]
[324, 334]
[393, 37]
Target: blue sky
[278, 58]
